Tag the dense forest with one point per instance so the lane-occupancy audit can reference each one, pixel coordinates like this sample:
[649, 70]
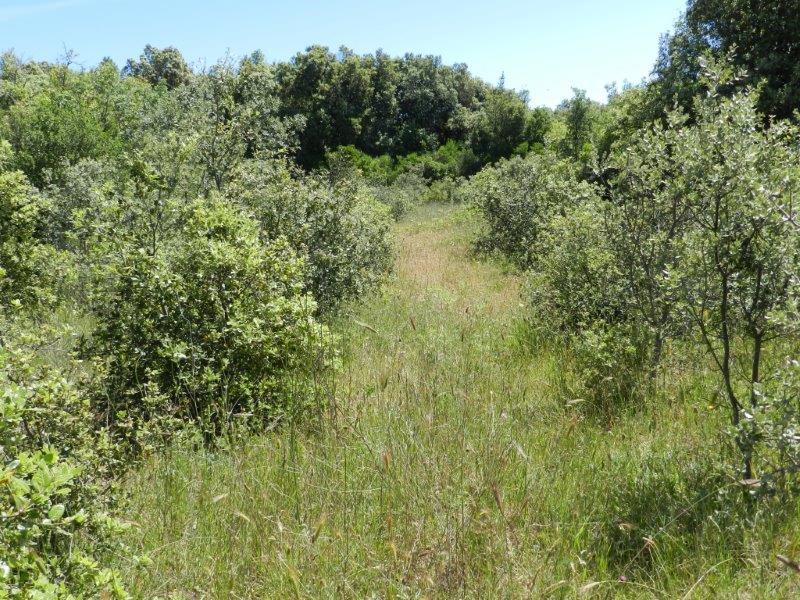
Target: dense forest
[210, 274]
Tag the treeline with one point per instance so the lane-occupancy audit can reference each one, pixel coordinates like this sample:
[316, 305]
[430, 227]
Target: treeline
[315, 103]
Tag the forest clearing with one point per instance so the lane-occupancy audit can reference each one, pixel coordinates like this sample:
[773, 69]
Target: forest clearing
[341, 324]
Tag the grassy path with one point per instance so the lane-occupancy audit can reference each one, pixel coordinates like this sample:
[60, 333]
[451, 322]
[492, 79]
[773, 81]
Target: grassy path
[451, 468]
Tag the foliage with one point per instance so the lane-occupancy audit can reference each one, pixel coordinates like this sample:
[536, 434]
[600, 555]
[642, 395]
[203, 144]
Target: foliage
[339, 229]
[695, 237]
[742, 252]
[54, 488]
[25, 263]
[160, 67]
[577, 292]
[580, 117]
[446, 190]
[211, 326]
[499, 126]
[759, 35]
[653, 216]
[61, 117]
[518, 198]
[576, 280]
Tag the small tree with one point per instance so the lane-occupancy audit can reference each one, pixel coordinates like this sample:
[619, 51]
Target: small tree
[579, 116]
[653, 215]
[741, 252]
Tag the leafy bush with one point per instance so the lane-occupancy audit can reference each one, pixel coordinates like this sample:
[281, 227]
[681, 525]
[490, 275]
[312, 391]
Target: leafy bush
[55, 462]
[76, 205]
[448, 160]
[517, 199]
[406, 191]
[64, 117]
[577, 291]
[212, 326]
[576, 280]
[771, 429]
[340, 229]
[743, 248]
[25, 263]
[447, 191]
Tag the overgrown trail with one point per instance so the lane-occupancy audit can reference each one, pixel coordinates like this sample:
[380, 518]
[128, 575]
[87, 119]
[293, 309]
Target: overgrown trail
[451, 467]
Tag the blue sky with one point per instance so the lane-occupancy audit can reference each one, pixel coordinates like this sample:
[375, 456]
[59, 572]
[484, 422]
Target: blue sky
[547, 47]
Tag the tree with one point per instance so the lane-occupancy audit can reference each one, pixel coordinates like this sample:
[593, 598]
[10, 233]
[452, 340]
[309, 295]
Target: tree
[500, 125]
[741, 253]
[160, 66]
[762, 37]
[579, 119]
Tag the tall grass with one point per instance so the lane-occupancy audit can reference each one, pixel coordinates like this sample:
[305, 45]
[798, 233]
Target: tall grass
[453, 463]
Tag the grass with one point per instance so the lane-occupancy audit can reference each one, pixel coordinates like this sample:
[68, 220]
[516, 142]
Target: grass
[453, 465]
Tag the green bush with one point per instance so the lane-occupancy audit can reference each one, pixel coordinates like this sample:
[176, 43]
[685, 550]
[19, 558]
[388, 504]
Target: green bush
[212, 326]
[451, 159]
[517, 199]
[55, 465]
[406, 191]
[25, 262]
[61, 117]
[577, 292]
[446, 191]
[340, 229]
[576, 280]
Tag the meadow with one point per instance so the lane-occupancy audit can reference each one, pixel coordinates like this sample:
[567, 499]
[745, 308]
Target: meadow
[451, 463]
[368, 326]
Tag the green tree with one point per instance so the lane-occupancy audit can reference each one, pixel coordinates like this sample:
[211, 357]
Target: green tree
[741, 253]
[160, 66]
[500, 125]
[579, 117]
[761, 36]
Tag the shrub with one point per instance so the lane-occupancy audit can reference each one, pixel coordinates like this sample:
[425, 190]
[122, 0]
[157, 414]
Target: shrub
[407, 190]
[446, 191]
[517, 199]
[77, 203]
[55, 462]
[448, 160]
[576, 281]
[771, 429]
[340, 229]
[63, 117]
[577, 291]
[212, 326]
[610, 361]
[25, 263]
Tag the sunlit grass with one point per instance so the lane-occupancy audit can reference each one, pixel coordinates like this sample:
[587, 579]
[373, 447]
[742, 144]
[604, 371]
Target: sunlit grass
[453, 465]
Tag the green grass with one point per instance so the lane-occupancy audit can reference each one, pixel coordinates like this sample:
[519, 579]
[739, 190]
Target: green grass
[453, 465]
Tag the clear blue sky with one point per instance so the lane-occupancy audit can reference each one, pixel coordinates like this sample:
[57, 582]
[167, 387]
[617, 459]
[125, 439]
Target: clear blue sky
[547, 47]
